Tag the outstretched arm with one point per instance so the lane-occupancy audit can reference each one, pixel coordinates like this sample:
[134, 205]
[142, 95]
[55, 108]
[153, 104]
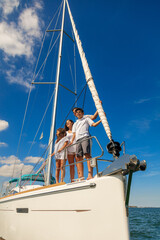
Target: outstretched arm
[65, 144]
[52, 154]
[96, 123]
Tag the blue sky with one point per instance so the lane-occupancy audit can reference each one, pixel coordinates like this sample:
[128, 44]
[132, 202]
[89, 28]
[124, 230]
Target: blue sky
[121, 40]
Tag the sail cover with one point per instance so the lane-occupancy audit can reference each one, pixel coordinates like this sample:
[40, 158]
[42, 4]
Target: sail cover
[89, 79]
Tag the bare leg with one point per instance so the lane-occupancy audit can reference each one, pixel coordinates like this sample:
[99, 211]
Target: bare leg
[71, 160]
[90, 169]
[62, 170]
[79, 167]
[57, 170]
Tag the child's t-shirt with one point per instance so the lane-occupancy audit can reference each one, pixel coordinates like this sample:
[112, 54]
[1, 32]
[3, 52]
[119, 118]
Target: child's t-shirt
[57, 146]
[81, 126]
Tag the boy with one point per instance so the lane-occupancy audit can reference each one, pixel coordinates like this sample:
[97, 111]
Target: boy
[80, 132]
[92, 117]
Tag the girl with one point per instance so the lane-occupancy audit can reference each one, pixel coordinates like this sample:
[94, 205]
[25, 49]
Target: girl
[70, 150]
[60, 144]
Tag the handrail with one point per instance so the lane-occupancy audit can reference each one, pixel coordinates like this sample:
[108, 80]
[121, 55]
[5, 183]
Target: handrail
[85, 160]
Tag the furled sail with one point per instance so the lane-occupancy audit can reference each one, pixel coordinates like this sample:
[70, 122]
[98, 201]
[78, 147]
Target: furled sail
[89, 79]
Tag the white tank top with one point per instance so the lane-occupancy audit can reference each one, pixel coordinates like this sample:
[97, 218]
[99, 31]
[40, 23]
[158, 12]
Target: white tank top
[72, 148]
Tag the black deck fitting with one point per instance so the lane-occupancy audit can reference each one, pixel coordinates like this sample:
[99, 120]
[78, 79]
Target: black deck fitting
[114, 148]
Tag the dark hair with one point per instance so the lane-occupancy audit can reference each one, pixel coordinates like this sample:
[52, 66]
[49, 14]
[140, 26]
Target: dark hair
[65, 127]
[79, 109]
[74, 108]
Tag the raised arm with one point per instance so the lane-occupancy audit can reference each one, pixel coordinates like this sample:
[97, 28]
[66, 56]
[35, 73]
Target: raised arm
[93, 117]
[96, 123]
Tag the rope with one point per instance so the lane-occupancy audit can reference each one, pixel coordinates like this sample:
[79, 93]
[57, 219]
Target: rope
[88, 75]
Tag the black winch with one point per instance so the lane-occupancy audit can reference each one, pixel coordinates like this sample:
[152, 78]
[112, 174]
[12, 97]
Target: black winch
[114, 148]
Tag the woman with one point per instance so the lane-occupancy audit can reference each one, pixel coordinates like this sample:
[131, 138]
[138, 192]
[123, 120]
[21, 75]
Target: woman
[70, 150]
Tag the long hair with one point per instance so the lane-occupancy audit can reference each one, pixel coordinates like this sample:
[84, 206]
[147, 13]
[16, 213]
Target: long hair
[65, 127]
[62, 133]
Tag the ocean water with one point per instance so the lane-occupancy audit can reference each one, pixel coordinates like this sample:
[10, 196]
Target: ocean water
[144, 223]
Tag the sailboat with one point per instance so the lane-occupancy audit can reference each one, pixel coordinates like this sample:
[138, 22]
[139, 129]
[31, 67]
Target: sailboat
[84, 209]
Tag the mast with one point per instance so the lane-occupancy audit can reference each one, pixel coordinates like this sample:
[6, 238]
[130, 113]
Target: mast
[89, 78]
[55, 100]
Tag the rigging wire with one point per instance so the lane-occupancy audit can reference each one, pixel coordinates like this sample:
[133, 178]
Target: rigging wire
[52, 35]
[49, 90]
[32, 87]
[50, 48]
[73, 104]
[44, 62]
[75, 73]
[60, 126]
[45, 152]
[84, 97]
[43, 65]
[41, 122]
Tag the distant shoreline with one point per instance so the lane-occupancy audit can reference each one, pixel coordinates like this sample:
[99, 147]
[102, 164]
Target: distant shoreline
[142, 207]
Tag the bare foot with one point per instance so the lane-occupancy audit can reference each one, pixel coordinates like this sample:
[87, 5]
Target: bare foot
[89, 176]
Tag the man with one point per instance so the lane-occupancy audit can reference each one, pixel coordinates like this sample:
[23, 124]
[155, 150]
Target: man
[92, 117]
[81, 133]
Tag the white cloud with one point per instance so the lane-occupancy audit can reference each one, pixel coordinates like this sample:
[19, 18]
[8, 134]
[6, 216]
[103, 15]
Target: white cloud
[13, 166]
[8, 6]
[38, 5]
[9, 160]
[22, 77]
[152, 174]
[142, 125]
[142, 100]
[12, 41]
[7, 170]
[19, 38]
[3, 144]
[29, 22]
[3, 125]
[31, 159]
[43, 146]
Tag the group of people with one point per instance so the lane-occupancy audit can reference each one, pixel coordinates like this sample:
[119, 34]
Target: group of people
[73, 143]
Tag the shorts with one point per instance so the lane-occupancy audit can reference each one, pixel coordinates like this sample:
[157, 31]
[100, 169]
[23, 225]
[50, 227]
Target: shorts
[83, 147]
[71, 153]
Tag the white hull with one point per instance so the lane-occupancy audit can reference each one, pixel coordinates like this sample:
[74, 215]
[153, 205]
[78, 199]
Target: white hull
[85, 210]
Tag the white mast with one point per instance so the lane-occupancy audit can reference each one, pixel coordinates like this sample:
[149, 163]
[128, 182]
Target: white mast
[89, 78]
[55, 100]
